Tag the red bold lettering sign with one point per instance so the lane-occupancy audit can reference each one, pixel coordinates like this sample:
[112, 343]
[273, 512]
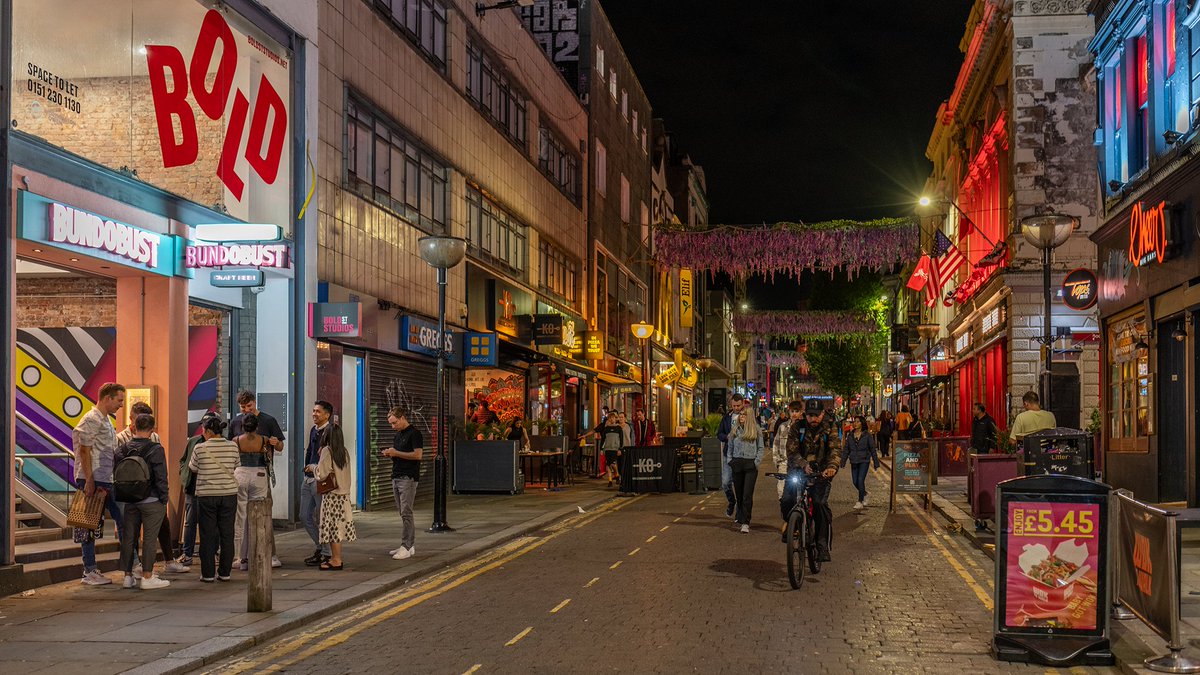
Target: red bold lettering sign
[1147, 234]
[266, 115]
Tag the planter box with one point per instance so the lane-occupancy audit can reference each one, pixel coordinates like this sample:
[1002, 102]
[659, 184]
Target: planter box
[710, 449]
[487, 466]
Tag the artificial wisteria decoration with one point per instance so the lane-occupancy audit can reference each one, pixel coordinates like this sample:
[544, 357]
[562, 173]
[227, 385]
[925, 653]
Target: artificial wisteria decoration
[808, 326]
[779, 358]
[790, 248]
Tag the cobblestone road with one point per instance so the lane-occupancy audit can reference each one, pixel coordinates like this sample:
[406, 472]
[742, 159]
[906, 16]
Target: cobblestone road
[665, 584]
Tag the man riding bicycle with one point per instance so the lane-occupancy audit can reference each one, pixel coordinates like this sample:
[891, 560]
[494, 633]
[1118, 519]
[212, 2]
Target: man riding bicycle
[813, 455]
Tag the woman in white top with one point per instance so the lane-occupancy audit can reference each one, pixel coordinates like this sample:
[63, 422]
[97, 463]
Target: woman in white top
[337, 517]
[213, 463]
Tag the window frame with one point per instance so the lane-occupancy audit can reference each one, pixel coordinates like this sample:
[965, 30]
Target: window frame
[496, 236]
[408, 18]
[1130, 413]
[558, 272]
[490, 89]
[601, 169]
[559, 164]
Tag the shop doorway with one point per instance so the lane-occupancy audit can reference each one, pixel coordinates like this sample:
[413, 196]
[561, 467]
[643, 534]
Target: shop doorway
[353, 424]
[1172, 412]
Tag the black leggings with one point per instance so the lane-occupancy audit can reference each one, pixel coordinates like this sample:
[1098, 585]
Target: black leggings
[745, 475]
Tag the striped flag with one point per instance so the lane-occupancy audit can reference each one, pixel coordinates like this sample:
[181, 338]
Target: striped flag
[946, 261]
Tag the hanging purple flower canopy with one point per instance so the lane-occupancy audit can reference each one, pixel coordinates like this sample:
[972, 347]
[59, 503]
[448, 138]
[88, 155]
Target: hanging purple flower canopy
[791, 248]
[778, 358]
[807, 326]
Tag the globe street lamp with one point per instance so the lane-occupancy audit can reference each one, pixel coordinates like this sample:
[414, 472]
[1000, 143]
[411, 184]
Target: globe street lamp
[642, 331]
[1047, 232]
[704, 363]
[441, 253]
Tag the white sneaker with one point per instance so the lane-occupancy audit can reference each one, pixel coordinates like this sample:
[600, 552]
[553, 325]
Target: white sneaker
[275, 562]
[745, 529]
[402, 553]
[95, 578]
[394, 551]
[137, 569]
[131, 581]
[864, 502]
[174, 567]
[858, 506]
[154, 583]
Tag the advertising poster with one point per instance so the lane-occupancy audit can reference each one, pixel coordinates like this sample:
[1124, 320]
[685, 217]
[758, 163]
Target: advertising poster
[1052, 561]
[911, 468]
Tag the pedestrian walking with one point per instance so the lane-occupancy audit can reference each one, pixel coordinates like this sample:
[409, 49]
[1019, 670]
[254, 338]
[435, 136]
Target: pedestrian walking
[794, 414]
[165, 543]
[407, 449]
[187, 478]
[887, 427]
[337, 517]
[1032, 419]
[612, 438]
[95, 444]
[904, 421]
[745, 452]
[737, 404]
[255, 455]
[214, 462]
[626, 430]
[140, 481]
[643, 429]
[310, 499]
[984, 433]
[859, 450]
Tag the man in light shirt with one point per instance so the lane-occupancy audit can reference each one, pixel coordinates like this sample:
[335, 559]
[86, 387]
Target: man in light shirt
[95, 442]
[1032, 419]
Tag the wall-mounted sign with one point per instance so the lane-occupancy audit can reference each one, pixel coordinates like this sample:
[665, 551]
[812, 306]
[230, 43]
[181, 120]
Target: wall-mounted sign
[918, 370]
[1125, 337]
[334, 319]
[1149, 234]
[236, 278]
[1080, 289]
[547, 329]
[1115, 270]
[888, 390]
[238, 255]
[507, 303]
[686, 307]
[77, 231]
[668, 376]
[593, 345]
[421, 336]
[480, 349]
[244, 233]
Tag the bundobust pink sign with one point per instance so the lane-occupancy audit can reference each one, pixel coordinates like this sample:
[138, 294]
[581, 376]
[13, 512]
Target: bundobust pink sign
[238, 255]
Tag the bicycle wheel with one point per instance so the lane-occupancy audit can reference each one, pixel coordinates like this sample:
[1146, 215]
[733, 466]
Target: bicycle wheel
[814, 561]
[795, 548]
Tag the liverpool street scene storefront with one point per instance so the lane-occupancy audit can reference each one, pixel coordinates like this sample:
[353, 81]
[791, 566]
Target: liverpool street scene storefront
[335, 329]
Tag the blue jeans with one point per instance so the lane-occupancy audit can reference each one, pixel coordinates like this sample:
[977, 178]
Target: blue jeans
[727, 479]
[858, 474]
[191, 508]
[310, 512]
[114, 511]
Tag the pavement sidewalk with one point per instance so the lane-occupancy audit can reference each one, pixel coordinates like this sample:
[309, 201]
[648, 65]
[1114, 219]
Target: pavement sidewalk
[74, 628]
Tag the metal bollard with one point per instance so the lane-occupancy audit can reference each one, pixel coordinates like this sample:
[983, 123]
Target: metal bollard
[258, 588]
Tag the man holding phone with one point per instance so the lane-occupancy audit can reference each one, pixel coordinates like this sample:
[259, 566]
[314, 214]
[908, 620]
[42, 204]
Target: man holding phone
[405, 453]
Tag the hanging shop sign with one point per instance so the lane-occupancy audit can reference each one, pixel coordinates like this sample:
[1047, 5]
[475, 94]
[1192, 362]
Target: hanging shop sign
[593, 345]
[236, 278]
[422, 336]
[546, 329]
[241, 233]
[668, 376]
[77, 231]
[238, 255]
[574, 327]
[480, 349]
[686, 307]
[334, 319]
[1126, 336]
[507, 304]
[1080, 289]
[1149, 234]
[918, 370]
[688, 375]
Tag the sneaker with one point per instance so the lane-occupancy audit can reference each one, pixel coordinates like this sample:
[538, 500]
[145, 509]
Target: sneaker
[154, 583]
[823, 554]
[402, 553]
[276, 562]
[222, 578]
[745, 529]
[244, 565]
[176, 567]
[137, 569]
[394, 551]
[858, 506]
[95, 578]
[131, 581]
[729, 510]
[185, 560]
[864, 502]
[314, 559]
[207, 580]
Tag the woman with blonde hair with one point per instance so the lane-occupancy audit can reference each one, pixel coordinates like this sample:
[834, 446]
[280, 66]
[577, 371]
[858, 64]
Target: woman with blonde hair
[744, 452]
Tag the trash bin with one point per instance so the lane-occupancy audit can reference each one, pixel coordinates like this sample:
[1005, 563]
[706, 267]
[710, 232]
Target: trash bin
[1061, 451]
[983, 472]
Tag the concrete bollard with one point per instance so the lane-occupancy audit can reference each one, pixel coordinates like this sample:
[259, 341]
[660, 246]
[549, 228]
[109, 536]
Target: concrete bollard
[258, 588]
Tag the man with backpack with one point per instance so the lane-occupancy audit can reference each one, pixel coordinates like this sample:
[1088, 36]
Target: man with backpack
[164, 532]
[140, 482]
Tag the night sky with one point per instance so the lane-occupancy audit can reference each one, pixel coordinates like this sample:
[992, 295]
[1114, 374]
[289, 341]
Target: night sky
[798, 110]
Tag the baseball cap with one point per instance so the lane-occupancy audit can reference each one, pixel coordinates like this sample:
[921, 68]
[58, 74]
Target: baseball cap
[813, 407]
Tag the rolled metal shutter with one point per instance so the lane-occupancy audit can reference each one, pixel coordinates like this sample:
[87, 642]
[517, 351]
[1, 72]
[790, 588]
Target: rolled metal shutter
[411, 384]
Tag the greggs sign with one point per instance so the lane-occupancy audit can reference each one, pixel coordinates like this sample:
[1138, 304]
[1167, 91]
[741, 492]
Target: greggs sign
[1148, 234]
[264, 119]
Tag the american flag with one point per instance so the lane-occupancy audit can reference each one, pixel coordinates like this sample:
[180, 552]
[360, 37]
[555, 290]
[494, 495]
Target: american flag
[946, 261]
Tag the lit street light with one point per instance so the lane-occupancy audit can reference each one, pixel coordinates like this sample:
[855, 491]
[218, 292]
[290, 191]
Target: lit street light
[642, 331]
[1047, 232]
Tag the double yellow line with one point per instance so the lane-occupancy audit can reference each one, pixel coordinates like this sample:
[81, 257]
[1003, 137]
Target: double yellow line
[340, 628]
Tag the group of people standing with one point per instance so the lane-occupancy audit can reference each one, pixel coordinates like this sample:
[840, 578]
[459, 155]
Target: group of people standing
[616, 432]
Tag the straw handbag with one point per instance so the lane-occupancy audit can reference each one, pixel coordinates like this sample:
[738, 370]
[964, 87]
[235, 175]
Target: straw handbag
[85, 510]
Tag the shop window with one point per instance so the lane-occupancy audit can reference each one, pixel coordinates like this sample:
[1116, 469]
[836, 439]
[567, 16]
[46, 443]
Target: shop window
[423, 22]
[624, 303]
[490, 88]
[494, 235]
[559, 273]
[1130, 387]
[558, 163]
[383, 165]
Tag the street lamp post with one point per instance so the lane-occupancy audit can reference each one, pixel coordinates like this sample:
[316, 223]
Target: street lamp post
[895, 358]
[704, 363]
[642, 331]
[441, 253]
[1047, 232]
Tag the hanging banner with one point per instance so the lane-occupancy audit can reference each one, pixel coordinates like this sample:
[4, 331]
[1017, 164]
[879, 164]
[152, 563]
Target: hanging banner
[1144, 550]
[685, 298]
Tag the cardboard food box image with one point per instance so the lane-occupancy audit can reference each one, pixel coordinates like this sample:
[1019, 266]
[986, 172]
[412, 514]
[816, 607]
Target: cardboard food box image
[1054, 577]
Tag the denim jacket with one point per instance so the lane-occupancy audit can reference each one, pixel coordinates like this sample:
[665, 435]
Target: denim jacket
[737, 448]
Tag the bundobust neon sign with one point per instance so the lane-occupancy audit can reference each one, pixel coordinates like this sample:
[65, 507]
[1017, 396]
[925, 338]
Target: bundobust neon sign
[1148, 234]
[238, 255]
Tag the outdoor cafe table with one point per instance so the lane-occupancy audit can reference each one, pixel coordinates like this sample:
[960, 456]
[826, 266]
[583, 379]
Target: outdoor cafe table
[554, 459]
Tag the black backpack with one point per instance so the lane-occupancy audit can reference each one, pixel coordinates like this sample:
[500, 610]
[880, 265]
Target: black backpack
[131, 477]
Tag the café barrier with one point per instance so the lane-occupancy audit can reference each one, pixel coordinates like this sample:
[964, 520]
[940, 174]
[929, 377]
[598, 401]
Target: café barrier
[648, 468]
[1149, 578]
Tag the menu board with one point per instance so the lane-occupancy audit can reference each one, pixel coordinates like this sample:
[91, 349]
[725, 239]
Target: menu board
[1051, 553]
[910, 468]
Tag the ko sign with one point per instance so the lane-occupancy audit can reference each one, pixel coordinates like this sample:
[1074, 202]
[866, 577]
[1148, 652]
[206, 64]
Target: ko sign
[265, 119]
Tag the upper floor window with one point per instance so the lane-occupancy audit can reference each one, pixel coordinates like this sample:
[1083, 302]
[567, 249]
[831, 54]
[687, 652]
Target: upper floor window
[624, 199]
[489, 88]
[383, 165]
[494, 235]
[557, 162]
[634, 123]
[600, 61]
[612, 83]
[424, 22]
[625, 103]
[559, 272]
[601, 169]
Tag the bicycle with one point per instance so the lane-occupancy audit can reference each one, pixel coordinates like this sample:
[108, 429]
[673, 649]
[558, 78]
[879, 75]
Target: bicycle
[800, 537]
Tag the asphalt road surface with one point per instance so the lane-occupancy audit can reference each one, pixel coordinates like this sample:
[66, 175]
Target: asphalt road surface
[666, 584]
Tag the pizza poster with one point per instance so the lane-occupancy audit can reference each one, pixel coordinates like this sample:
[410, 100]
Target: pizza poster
[1052, 562]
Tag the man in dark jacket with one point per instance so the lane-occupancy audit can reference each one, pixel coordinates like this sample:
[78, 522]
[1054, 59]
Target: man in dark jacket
[814, 453]
[983, 431]
[723, 431]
